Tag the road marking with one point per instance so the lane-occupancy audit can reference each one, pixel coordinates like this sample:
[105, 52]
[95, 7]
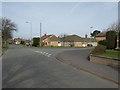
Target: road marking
[44, 53]
[41, 52]
[37, 51]
[49, 55]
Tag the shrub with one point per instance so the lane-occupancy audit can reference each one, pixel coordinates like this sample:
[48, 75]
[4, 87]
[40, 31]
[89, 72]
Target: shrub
[36, 41]
[103, 42]
[98, 49]
[52, 46]
[22, 42]
[111, 39]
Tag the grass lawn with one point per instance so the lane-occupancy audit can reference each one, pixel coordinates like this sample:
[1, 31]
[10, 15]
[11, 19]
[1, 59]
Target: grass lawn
[112, 53]
[4, 48]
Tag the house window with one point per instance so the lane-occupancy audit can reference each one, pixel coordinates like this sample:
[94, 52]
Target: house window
[78, 42]
[49, 42]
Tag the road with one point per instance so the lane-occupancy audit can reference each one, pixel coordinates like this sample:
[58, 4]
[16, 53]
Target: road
[25, 67]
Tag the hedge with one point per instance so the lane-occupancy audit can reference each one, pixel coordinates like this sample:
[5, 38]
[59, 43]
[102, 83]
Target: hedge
[36, 41]
[111, 39]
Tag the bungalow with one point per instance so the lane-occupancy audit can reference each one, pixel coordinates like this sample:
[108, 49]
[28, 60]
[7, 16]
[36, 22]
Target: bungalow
[77, 41]
[17, 41]
[101, 36]
[71, 40]
[68, 41]
[50, 40]
[27, 42]
[90, 41]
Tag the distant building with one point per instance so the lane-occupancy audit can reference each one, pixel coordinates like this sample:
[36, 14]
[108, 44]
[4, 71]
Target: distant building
[27, 42]
[50, 40]
[71, 40]
[101, 36]
[77, 41]
[17, 41]
[68, 41]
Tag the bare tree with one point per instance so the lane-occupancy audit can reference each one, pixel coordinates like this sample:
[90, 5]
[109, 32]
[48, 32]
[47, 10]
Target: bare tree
[115, 26]
[6, 28]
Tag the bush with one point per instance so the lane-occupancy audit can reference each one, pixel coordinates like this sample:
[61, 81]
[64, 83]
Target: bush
[36, 41]
[111, 39]
[103, 42]
[22, 42]
[52, 46]
[98, 49]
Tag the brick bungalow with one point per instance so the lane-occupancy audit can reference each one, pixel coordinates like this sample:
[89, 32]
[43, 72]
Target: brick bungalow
[101, 36]
[50, 40]
[70, 40]
[77, 41]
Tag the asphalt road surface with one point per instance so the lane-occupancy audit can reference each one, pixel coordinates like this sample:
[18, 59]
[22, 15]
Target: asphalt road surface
[25, 67]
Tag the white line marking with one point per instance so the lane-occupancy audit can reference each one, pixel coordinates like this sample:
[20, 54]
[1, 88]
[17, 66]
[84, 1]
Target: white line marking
[44, 53]
[49, 55]
[37, 51]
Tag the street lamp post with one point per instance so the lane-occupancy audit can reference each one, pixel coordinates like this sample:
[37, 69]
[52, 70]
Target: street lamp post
[90, 34]
[30, 30]
[40, 34]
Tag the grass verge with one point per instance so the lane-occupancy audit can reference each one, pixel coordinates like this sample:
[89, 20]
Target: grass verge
[112, 54]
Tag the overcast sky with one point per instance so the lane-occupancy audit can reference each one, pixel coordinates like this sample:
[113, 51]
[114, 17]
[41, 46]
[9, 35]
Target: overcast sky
[60, 17]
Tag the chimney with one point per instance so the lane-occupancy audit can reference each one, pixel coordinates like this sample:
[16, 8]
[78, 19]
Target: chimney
[85, 35]
[45, 34]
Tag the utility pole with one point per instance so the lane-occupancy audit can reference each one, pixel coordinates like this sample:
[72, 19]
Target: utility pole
[90, 34]
[31, 31]
[40, 34]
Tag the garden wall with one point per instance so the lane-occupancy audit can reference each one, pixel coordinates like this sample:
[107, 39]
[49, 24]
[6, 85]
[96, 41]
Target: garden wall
[105, 60]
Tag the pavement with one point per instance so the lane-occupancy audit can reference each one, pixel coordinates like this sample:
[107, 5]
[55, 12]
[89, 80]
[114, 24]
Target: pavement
[27, 67]
[79, 60]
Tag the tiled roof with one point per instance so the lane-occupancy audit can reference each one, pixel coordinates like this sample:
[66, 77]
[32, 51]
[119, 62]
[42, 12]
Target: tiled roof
[47, 36]
[89, 39]
[54, 39]
[71, 38]
[102, 34]
[76, 38]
